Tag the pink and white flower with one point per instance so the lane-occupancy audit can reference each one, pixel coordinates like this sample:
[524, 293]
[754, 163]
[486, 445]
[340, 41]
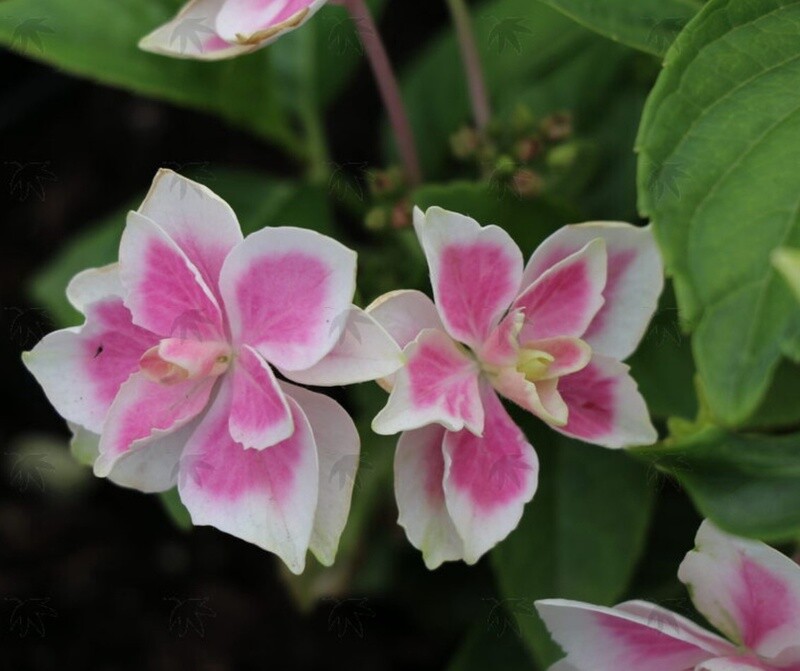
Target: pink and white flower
[746, 590]
[549, 336]
[172, 372]
[217, 29]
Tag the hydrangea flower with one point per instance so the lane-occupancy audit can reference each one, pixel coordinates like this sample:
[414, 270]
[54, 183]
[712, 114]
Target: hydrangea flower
[549, 337]
[747, 590]
[172, 372]
[217, 29]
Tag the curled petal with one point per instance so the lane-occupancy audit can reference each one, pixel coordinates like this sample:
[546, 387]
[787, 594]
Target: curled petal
[501, 348]
[475, 272]
[419, 490]
[564, 299]
[611, 639]
[542, 397]
[605, 406]
[747, 590]
[288, 293]
[164, 291]
[266, 497]
[260, 416]
[193, 34]
[635, 280]
[338, 451]
[81, 369]
[364, 352]
[261, 22]
[488, 479]
[438, 384]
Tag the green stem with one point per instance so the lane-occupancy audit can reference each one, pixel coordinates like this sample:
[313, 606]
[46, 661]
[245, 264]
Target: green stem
[472, 62]
[312, 114]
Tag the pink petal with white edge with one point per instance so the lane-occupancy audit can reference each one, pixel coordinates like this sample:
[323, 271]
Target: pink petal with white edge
[94, 284]
[164, 291]
[153, 467]
[488, 480]
[542, 398]
[419, 490]
[405, 314]
[260, 415]
[747, 590]
[145, 410]
[605, 406]
[438, 385]
[263, 21]
[564, 300]
[202, 224]
[611, 639]
[266, 497]
[635, 280]
[81, 369]
[288, 292]
[475, 272]
[365, 352]
[338, 451]
[193, 34]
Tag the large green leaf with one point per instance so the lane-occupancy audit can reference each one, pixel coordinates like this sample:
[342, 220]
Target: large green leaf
[717, 175]
[98, 39]
[748, 484]
[648, 25]
[580, 537]
[532, 54]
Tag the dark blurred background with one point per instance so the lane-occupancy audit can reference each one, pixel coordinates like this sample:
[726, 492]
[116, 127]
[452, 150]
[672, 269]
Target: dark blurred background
[96, 577]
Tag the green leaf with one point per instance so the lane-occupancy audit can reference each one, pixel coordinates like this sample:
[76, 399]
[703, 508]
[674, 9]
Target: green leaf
[580, 537]
[257, 200]
[484, 649]
[748, 484]
[98, 39]
[176, 511]
[532, 55]
[717, 177]
[647, 25]
[787, 262]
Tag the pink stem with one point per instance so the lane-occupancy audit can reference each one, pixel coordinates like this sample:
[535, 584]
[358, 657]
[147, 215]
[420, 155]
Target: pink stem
[472, 63]
[388, 87]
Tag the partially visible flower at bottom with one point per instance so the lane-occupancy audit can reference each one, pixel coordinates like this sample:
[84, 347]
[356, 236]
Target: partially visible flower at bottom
[171, 376]
[549, 336]
[747, 590]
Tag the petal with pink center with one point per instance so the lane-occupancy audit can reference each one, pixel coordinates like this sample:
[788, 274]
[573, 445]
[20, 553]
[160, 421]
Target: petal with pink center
[405, 314]
[611, 639]
[489, 479]
[605, 406]
[164, 291]
[94, 284]
[288, 292]
[564, 299]
[438, 385]
[193, 34]
[338, 451]
[419, 490]
[266, 497]
[263, 21]
[202, 224]
[145, 410]
[81, 369]
[635, 280]
[475, 272]
[260, 416]
[747, 590]
[365, 352]
[542, 397]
